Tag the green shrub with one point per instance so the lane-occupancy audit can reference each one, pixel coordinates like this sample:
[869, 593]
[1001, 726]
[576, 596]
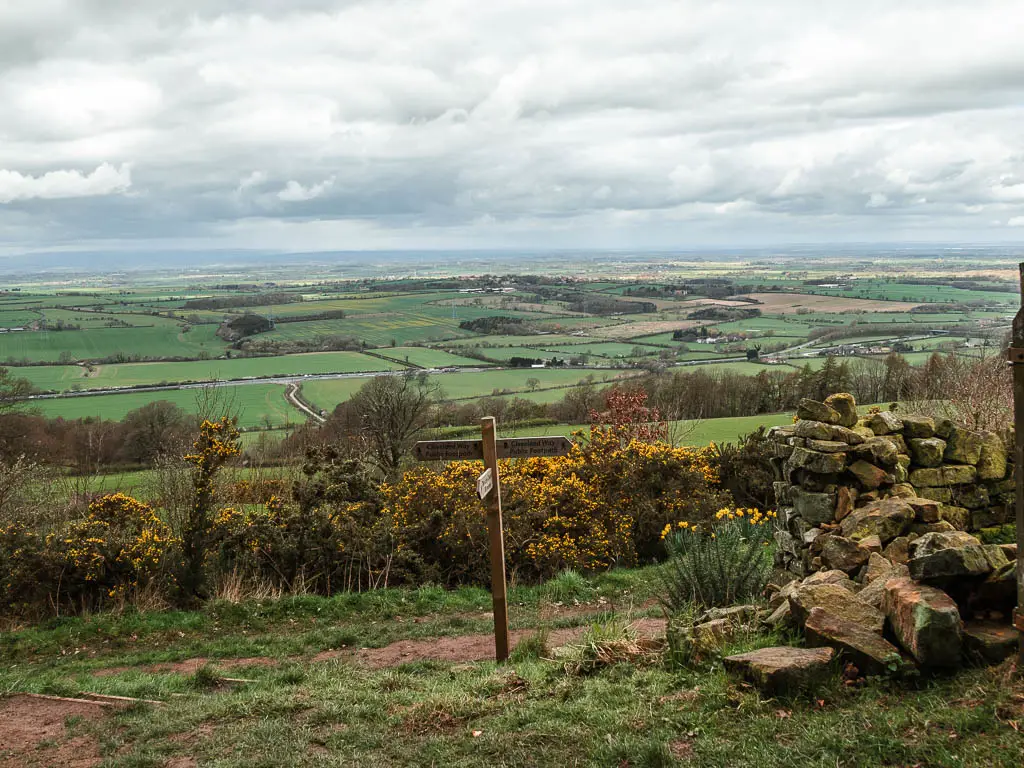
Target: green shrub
[720, 565]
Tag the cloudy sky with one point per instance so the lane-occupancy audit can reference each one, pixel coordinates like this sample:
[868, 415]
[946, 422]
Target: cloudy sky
[351, 124]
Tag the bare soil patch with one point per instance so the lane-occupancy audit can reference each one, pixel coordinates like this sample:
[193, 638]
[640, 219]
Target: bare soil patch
[789, 303]
[467, 647]
[190, 666]
[33, 732]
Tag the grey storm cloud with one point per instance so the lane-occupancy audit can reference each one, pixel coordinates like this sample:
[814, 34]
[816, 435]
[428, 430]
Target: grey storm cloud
[329, 124]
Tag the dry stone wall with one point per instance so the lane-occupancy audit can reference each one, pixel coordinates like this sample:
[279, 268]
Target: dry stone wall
[833, 462]
[885, 550]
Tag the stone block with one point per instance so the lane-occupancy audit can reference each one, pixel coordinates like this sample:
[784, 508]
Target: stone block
[931, 543]
[879, 567]
[828, 446]
[865, 648]
[815, 411]
[815, 430]
[839, 601]
[920, 529]
[886, 519]
[903, 491]
[963, 447]
[990, 643]
[870, 544]
[942, 495]
[836, 578]
[897, 551]
[781, 670]
[971, 496]
[881, 451]
[992, 461]
[842, 554]
[926, 622]
[884, 423]
[814, 508]
[864, 431]
[958, 517]
[847, 435]
[843, 404]
[925, 510]
[946, 475]
[820, 463]
[846, 498]
[947, 564]
[918, 426]
[781, 617]
[868, 475]
[999, 590]
[927, 451]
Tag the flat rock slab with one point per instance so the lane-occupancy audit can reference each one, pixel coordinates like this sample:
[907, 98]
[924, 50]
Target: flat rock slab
[958, 563]
[781, 669]
[872, 654]
[839, 602]
[990, 643]
[926, 622]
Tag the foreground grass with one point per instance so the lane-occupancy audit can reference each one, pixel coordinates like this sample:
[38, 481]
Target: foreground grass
[301, 712]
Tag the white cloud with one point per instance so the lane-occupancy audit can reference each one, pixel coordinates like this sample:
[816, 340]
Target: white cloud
[512, 122]
[105, 180]
[294, 192]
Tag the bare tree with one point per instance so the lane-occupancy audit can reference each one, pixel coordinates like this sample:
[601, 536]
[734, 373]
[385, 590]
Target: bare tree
[393, 411]
[979, 393]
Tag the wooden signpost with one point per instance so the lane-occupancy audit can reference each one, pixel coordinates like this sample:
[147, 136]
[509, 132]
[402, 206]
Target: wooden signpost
[488, 487]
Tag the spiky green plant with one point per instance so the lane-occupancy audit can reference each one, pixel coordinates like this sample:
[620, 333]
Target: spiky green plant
[725, 564]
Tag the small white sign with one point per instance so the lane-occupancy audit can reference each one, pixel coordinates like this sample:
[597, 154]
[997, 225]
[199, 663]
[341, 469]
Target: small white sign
[485, 483]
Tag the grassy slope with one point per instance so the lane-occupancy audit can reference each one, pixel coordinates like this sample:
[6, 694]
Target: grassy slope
[300, 712]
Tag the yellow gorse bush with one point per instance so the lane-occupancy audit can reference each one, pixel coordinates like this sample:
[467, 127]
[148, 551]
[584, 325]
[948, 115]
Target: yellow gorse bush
[603, 503]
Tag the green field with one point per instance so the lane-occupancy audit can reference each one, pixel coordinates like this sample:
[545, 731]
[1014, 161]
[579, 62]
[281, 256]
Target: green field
[66, 377]
[697, 432]
[101, 343]
[494, 342]
[327, 393]
[425, 357]
[504, 354]
[896, 291]
[255, 404]
[611, 349]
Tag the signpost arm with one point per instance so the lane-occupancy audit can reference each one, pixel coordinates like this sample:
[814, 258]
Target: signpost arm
[496, 536]
[1017, 366]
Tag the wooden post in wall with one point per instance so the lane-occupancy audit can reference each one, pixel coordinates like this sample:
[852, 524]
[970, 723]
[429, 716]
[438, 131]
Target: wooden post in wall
[1017, 366]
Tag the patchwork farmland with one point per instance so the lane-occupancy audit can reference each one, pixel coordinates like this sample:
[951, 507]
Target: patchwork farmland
[148, 338]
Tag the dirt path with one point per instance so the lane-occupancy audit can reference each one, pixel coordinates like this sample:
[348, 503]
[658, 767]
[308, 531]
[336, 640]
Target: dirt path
[454, 649]
[291, 394]
[468, 648]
